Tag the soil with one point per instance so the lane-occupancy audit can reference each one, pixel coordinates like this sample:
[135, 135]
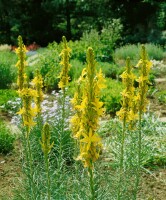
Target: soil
[10, 173]
[154, 185]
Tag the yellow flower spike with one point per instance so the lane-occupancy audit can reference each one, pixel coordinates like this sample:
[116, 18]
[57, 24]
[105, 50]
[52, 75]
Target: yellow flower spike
[27, 111]
[88, 109]
[21, 64]
[45, 142]
[125, 114]
[127, 94]
[65, 56]
[144, 66]
[38, 84]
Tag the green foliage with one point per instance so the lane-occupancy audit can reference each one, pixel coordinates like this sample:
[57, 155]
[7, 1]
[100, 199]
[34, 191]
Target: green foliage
[7, 69]
[161, 96]
[6, 95]
[110, 34]
[152, 79]
[102, 43]
[6, 139]
[110, 70]
[76, 69]
[111, 96]
[133, 51]
[49, 66]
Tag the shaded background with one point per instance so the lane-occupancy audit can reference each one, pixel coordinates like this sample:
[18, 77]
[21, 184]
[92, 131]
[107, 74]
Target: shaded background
[44, 21]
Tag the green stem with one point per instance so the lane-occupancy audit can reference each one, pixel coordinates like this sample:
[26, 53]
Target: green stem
[30, 167]
[91, 179]
[138, 172]
[62, 128]
[121, 159]
[48, 176]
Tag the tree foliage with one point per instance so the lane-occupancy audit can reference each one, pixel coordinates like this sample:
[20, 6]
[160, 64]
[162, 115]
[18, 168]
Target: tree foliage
[43, 21]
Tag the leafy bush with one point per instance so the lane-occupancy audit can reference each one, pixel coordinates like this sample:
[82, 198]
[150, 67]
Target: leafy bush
[110, 34]
[7, 69]
[49, 66]
[79, 47]
[102, 43]
[161, 95]
[110, 70]
[6, 139]
[111, 96]
[6, 95]
[133, 51]
[76, 69]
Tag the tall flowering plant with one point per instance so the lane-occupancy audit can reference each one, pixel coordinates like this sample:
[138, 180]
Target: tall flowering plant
[65, 56]
[63, 83]
[126, 113]
[27, 112]
[46, 148]
[144, 66]
[21, 63]
[88, 110]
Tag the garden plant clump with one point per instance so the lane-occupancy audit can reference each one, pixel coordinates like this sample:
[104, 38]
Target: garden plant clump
[70, 147]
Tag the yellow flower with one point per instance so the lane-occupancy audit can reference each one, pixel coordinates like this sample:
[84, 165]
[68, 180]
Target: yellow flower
[90, 139]
[88, 108]
[127, 94]
[21, 64]
[144, 66]
[27, 111]
[38, 84]
[65, 55]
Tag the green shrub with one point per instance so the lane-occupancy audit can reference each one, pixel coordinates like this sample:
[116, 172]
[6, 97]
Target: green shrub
[111, 96]
[161, 96]
[79, 48]
[6, 95]
[6, 139]
[110, 70]
[76, 69]
[49, 66]
[133, 51]
[110, 34]
[102, 43]
[7, 69]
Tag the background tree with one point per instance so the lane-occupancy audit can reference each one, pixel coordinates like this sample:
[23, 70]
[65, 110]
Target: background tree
[43, 21]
